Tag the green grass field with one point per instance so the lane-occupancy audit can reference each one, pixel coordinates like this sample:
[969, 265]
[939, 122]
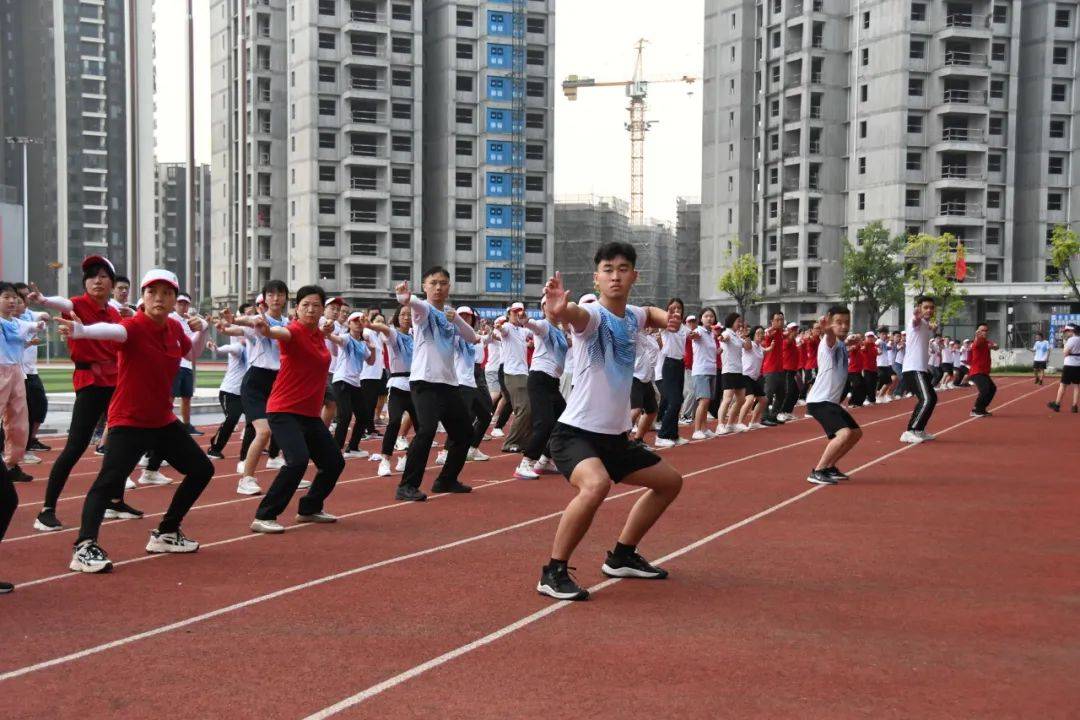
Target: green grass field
[59, 379]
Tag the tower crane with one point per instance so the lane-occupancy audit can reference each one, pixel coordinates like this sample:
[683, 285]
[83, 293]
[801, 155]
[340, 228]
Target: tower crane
[637, 89]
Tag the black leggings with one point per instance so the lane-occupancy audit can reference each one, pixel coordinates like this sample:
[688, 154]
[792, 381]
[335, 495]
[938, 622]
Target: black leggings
[301, 438]
[869, 378]
[791, 386]
[671, 388]
[987, 390]
[350, 405]
[231, 406]
[398, 403]
[547, 405]
[91, 402]
[479, 415]
[370, 390]
[9, 500]
[775, 393]
[435, 402]
[919, 383]
[508, 407]
[856, 388]
[124, 447]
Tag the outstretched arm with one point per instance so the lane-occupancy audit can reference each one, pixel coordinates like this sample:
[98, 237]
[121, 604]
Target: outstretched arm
[112, 332]
[662, 319]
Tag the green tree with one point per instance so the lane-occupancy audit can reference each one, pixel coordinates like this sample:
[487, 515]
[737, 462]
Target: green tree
[873, 273]
[931, 270]
[1064, 256]
[741, 282]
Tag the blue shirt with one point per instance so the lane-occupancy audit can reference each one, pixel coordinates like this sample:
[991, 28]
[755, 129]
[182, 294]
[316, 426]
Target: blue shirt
[13, 336]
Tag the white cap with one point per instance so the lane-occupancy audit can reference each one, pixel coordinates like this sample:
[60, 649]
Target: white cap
[335, 301]
[691, 317]
[871, 333]
[160, 275]
[791, 325]
[354, 316]
[259, 299]
[517, 306]
[183, 298]
[586, 298]
[465, 310]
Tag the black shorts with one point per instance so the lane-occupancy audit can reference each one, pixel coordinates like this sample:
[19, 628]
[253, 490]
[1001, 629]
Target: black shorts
[1070, 375]
[643, 397]
[1038, 364]
[753, 387]
[946, 368]
[570, 445]
[183, 385]
[831, 417]
[329, 396]
[884, 375]
[37, 402]
[733, 381]
[255, 391]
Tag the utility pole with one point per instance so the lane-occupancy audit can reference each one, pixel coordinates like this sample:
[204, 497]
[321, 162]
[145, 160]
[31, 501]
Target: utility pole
[189, 190]
[25, 142]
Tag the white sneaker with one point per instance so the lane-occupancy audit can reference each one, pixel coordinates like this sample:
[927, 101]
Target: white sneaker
[786, 417]
[725, 430]
[925, 435]
[544, 465]
[866, 402]
[401, 444]
[441, 429]
[664, 443]
[375, 457]
[476, 455]
[709, 434]
[684, 422]
[31, 459]
[271, 527]
[801, 402]
[144, 461]
[351, 454]
[400, 466]
[153, 477]
[910, 437]
[320, 517]
[741, 427]
[384, 468]
[248, 486]
[240, 468]
[129, 484]
[275, 463]
[440, 459]
[525, 470]
[304, 485]
[755, 426]
[698, 435]
[497, 433]
[173, 542]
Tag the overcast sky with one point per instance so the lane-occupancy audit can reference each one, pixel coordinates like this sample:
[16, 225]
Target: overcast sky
[593, 38]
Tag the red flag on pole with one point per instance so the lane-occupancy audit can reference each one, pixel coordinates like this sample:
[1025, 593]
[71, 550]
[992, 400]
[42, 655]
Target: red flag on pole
[961, 262]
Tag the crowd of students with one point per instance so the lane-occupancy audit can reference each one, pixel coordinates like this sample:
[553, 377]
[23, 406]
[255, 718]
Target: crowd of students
[583, 387]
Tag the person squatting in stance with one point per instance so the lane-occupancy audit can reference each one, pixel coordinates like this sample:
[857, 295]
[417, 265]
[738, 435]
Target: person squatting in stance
[979, 371]
[400, 410]
[752, 360]
[294, 409]
[590, 444]
[672, 376]
[545, 400]
[823, 400]
[476, 399]
[149, 348]
[356, 353]
[229, 389]
[916, 370]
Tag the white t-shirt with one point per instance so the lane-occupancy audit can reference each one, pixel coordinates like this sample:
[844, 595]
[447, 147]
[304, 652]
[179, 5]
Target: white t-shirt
[604, 371]
[549, 348]
[935, 353]
[262, 351]
[883, 354]
[30, 354]
[646, 351]
[375, 370]
[1072, 351]
[704, 345]
[751, 361]
[400, 348]
[832, 373]
[731, 359]
[674, 342]
[433, 346]
[354, 354]
[898, 355]
[236, 367]
[494, 360]
[1041, 350]
[339, 330]
[962, 356]
[465, 361]
[515, 360]
[918, 345]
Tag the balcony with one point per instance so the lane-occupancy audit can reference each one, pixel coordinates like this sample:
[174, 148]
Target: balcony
[363, 216]
[363, 183]
[964, 97]
[961, 172]
[961, 209]
[965, 20]
[789, 253]
[962, 135]
[363, 149]
[792, 115]
[817, 78]
[791, 184]
[790, 218]
[815, 147]
[954, 58]
[792, 152]
[367, 83]
[790, 286]
[793, 81]
[368, 117]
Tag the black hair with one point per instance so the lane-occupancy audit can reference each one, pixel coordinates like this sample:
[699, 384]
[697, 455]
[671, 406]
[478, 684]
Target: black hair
[1039, 335]
[729, 320]
[838, 310]
[611, 250]
[753, 330]
[435, 270]
[396, 319]
[20, 286]
[883, 330]
[924, 298]
[93, 269]
[704, 310]
[277, 286]
[243, 307]
[5, 286]
[982, 323]
[773, 316]
[122, 278]
[682, 305]
[308, 290]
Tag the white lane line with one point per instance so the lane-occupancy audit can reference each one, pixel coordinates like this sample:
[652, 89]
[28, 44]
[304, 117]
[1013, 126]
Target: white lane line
[507, 630]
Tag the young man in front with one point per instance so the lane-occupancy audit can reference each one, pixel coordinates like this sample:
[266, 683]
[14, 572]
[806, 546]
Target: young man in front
[1070, 371]
[823, 400]
[979, 371]
[916, 370]
[590, 444]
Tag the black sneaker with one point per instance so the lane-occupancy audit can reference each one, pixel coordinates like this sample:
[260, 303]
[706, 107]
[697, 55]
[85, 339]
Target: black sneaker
[89, 558]
[6, 587]
[38, 446]
[631, 566]
[409, 494]
[216, 454]
[556, 582]
[1054, 406]
[1075, 409]
[769, 422]
[16, 474]
[192, 430]
[47, 522]
[836, 473]
[122, 511]
[820, 477]
[454, 487]
[99, 450]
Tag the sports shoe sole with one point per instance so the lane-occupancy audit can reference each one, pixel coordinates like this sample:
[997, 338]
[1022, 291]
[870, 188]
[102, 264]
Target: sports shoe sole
[162, 548]
[452, 490]
[553, 593]
[77, 566]
[117, 515]
[42, 527]
[318, 519]
[625, 572]
[260, 528]
[523, 476]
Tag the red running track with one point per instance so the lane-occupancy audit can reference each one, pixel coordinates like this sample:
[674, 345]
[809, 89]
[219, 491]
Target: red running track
[941, 582]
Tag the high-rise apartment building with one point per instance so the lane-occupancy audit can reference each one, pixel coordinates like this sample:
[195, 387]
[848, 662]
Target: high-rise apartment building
[936, 116]
[379, 136]
[189, 260]
[77, 79]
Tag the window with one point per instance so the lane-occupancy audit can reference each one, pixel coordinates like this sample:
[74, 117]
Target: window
[464, 51]
[462, 274]
[862, 128]
[401, 12]
[997, 89]
[534, 88]
[1062, 17]
[912, 198]
[327, 206]
[993, 162]
[914, 161]
[326, 7]
[327, 74]
[1001, 13]
[918, 49]
[1056, 165]
[774, 176]
[534, 152]
[402, 45]
[1058, 92]
[327, 140]
[774, 142]
[993, 235]
[915, 87]
[464, 18]
[1053, 201]
[772, 276]
[534, 183]
[535, 56]
[866, 20]
[997, 52]
[1061, 55]
[398, 273]
[536, 25]
[401, 241]
[401, 176]
[326, 106]
[993, 271]
[327, 271]
[401, 208]
[327, 41]
[327, 173]
[862, 166]
[864, 93]
[464, 115]
[776, 39]
[914, 123]
[996, 126]
[534, 214]
[534, 244]
[463, 243]
[464, 147]
[327, 239]
[865, 57]
[463, 211]
[993, 199]
[1057, 128]
[534, 120]
[401, 143]
[812, 242]
[464, 83]
[463, 179]
[401, 111]
[402, 78]
[918, 12]
[862, 201]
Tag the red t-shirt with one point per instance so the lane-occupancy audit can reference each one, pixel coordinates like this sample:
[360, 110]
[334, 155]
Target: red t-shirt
[811, 352]
[148, 361]
[791, 354]
[979, 361]
[688, 353]
[301, 382]
[773, 360]
[869, 357]
[854, 363]
[101, 354]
